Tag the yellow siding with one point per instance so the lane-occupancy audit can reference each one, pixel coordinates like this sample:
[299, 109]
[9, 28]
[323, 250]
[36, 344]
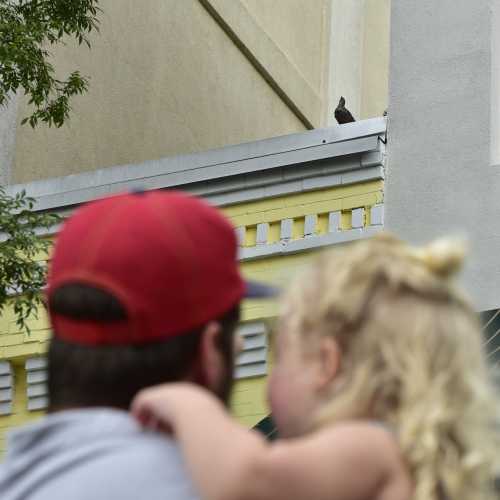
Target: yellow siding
[19, 415]
[299, 205]
[248, 404]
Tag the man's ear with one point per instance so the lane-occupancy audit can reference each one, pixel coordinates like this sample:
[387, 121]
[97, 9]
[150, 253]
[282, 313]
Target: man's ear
[329, 357]
[211, 361]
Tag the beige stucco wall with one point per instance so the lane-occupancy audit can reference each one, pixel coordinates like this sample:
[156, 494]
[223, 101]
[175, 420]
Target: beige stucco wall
[495, 84]
[165, 80]
[300, 29]
[359, 56]
[376, 43]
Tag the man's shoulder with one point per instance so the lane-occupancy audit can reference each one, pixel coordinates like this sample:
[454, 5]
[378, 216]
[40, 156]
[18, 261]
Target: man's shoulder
[145, 464]
[143, 447]
[93, 454]
[144, 453]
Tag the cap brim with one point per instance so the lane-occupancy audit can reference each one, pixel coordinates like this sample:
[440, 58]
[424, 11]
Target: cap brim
[256, 290]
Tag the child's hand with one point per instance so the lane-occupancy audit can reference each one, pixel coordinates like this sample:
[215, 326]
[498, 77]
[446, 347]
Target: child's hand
[161, 406]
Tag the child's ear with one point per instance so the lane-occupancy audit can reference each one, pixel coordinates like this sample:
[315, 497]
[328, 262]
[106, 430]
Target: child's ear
[329, 356]
[211, 362]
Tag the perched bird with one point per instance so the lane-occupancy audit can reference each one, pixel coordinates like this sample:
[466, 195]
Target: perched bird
[342, 114]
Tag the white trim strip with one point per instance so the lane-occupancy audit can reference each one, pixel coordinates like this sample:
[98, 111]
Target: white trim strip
[304, 244]
[36, 379]
[252, 361]
[6, 387]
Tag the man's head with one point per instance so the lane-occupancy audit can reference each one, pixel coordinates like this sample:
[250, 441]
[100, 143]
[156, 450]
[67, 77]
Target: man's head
[142, 289]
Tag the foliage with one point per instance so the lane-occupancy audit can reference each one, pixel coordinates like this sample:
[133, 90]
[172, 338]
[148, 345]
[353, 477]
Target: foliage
[27, 29]
[22, 275]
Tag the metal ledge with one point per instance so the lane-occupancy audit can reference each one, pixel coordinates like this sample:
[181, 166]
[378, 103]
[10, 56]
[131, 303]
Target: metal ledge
[312, 153]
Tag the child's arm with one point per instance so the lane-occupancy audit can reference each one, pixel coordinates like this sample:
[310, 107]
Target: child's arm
[227, 461]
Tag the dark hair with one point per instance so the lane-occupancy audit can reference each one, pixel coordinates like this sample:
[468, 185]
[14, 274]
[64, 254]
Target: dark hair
[81, 376]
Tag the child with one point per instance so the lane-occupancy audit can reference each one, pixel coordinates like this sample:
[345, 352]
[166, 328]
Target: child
[380, 383]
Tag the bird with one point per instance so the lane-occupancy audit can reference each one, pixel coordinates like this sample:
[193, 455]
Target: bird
[342, 114]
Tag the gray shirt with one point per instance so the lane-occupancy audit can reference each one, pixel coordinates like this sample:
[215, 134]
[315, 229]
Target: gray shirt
[92, 454]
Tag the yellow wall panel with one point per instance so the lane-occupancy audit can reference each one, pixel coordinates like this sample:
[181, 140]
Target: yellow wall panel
[249, 400]
[298, 228]
[362, 200]
[24, 350]
[322, 225]
[8, 340]
[250, 236]
[346, 220]
[274, 232]
[312, 202]
[254, 206]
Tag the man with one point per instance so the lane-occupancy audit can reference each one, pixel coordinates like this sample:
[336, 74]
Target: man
[143, 288]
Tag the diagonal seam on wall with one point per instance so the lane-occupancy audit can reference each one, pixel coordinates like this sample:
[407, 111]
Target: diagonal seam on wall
[267, 58]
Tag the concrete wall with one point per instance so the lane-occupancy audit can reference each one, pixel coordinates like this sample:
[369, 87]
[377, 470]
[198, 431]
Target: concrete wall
[495, 83]
[180, 76]
[359, 56]
[301, 30]
[438, 177]
[375, 59]
[167, 79]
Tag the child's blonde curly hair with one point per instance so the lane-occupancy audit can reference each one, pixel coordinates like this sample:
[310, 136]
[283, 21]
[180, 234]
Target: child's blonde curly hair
[412, 357]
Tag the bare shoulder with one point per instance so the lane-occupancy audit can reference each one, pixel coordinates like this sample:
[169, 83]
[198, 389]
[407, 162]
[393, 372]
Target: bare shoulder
[350, 461]
[374, 445]
[366, 437]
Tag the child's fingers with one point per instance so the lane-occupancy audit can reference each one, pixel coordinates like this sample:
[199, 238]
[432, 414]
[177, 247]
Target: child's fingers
[151, 411]
[143, 414]
[148, 417]
[157, 407]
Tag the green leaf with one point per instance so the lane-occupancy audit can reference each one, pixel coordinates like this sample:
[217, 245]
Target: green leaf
[25, 29]
[21, 276]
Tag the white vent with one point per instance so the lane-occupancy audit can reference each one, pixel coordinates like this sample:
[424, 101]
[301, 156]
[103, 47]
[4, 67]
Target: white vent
[6, 388]
[36, 378]
[253, 359]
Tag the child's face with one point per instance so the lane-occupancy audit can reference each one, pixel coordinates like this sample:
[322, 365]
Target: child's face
[292, 391]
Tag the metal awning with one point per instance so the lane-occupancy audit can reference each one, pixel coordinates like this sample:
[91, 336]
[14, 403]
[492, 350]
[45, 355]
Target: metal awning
[255, 170]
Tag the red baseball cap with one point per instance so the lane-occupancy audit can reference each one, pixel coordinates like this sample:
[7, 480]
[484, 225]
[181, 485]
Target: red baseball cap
[168, 257]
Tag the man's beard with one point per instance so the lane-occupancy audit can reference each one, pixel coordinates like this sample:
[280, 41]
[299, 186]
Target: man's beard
[225, 386]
